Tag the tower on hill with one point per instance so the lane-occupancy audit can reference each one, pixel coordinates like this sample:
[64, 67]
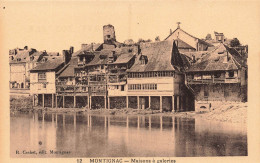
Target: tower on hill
[109, 34]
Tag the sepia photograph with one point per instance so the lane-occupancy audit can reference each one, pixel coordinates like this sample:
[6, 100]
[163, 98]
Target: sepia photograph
[129, 81]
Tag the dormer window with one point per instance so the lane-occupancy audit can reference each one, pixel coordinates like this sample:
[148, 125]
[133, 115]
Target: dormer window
[143, 60]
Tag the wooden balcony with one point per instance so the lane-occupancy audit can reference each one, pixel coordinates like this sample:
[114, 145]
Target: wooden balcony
[71, 88]
[213, 80]
[97, 82]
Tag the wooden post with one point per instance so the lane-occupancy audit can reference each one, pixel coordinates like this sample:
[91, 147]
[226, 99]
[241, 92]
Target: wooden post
[127, 102]
[161, 104]
[74, 104]
[63, 102]
[172, 103]
[52, 100]
[105, 101]
[108, 100]
[178, 103]
[42, 100]
[56, 101]
[138, 103]
[33, 100]
[89, 102]
[149, 102]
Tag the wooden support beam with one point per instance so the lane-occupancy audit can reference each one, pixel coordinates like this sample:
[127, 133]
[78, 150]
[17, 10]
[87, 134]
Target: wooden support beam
[63, 102]
[33, 100]
[161, 104]
[42, 100]
[173, 104]
[127, 101]
[178, 103]
[108, 100]
[52, 100]
[74, 104]
[105, 102]
[56, 101]
[138, 102]
[90, 102]
[149, 102]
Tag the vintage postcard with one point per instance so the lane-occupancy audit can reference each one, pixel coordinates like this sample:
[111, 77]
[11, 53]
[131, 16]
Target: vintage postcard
[130, 81]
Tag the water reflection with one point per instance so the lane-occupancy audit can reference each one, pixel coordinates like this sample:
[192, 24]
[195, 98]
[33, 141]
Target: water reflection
[87, 135]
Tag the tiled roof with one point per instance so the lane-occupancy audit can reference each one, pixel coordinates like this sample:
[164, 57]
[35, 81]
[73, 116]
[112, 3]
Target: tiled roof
[200, 41]
[99, 59]
[183, 45]
[49, 65]
[68, 72]
[220, 59]
[160, 55]
[86, 49]
[123, 58]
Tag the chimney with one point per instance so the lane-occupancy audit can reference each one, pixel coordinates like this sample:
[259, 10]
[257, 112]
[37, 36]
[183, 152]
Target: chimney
[66, 56]
[71, 50]
[26, 48]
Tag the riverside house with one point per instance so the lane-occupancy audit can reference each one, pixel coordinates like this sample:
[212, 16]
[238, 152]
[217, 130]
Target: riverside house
[43, 80]
[21, 61]
[219, 75]
[156, 80]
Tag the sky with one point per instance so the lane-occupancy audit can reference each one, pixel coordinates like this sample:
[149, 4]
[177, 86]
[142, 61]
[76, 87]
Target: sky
[57, 25]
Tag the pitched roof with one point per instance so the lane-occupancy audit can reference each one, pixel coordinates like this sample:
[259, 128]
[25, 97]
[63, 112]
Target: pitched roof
[123, 58]
[49, 65]
[99, 59]
[201, 41]
[87, 48]
[68, 72]
[159, 56]
[220, 59]
[183, 45]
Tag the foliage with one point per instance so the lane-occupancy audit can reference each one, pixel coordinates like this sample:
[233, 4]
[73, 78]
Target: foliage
[235, 42]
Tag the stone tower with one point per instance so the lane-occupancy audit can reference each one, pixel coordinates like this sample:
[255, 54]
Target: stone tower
[109, 34]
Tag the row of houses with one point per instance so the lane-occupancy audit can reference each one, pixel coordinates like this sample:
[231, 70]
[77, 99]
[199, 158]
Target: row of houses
[169, 75]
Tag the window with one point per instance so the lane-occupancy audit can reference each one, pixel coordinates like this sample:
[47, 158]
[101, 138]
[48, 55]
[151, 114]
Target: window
[217, 74]
[231, 74]
[141, 87]
[42, 76]
[44, 85]
[122, 88]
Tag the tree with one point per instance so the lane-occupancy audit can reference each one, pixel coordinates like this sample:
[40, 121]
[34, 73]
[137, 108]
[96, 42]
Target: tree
[235, 42]
[157, 38]
[208, 37]
[129, 42]
[143, 41]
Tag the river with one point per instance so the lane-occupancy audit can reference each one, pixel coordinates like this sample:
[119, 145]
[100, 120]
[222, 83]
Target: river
[84, 135]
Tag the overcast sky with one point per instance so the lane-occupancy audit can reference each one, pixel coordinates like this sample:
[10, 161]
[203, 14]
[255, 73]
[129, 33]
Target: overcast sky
[54, 26]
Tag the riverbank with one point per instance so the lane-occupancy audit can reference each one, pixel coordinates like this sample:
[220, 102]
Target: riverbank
[233, 112]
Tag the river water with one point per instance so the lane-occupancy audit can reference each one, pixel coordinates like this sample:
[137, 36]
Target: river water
[84, 135]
